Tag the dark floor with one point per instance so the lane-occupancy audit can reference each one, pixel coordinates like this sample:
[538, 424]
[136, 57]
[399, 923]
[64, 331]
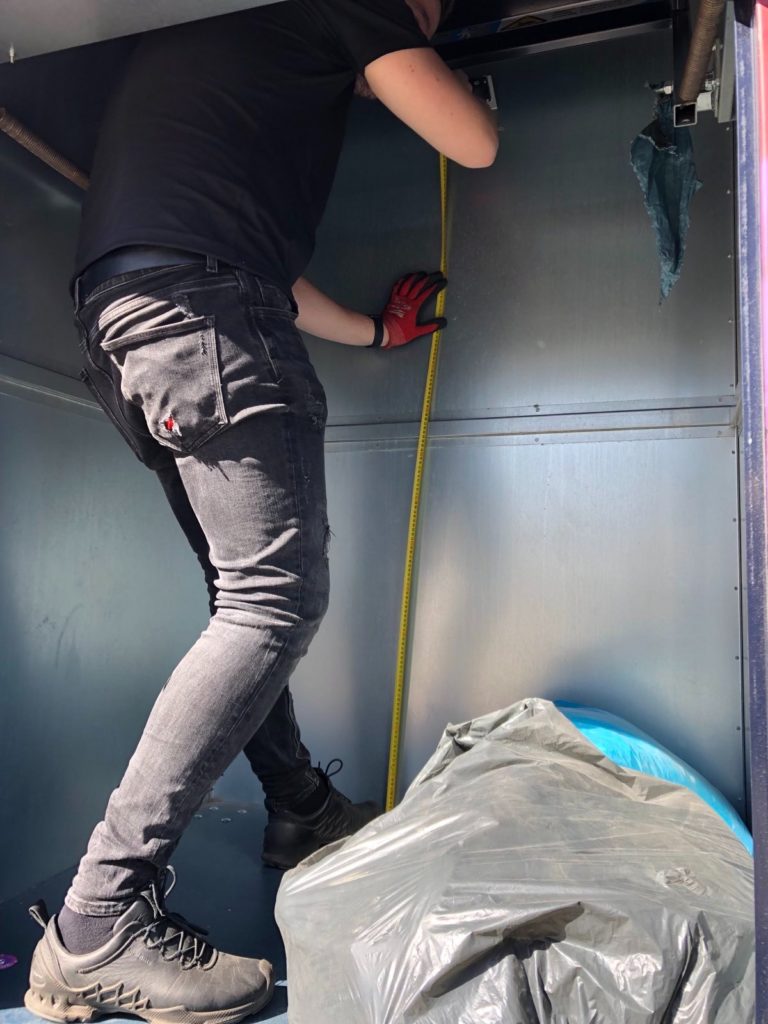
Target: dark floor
[222, 886]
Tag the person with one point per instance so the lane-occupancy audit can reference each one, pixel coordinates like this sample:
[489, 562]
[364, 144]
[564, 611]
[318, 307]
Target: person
[211, 175]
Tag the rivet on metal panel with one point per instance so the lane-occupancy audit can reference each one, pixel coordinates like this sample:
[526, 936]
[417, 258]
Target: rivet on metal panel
[226, 819]
[242, 810]
[213, 808]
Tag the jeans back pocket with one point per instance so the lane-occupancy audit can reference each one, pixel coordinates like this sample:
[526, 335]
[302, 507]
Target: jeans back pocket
[172, 373]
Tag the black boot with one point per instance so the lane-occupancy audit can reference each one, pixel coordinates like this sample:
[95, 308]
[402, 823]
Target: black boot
[290, 837]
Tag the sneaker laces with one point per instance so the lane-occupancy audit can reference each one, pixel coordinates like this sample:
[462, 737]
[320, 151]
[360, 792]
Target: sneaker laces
[173, 935]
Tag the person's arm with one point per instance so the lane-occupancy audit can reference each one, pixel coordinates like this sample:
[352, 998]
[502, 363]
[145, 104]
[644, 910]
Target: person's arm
[321, 316]
[420, 89]
[399, 323]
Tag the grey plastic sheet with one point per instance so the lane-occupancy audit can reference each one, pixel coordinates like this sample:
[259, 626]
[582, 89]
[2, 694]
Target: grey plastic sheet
[525, 878]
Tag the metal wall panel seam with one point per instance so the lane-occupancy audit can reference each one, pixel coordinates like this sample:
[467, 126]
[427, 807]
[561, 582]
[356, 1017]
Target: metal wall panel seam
[31, 380]
[529, 440]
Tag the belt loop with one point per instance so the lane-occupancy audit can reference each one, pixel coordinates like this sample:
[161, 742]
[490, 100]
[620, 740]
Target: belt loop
[77, 293]
[211, 264]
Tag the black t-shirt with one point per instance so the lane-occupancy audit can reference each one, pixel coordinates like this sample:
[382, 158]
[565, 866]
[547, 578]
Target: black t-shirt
[224, 136]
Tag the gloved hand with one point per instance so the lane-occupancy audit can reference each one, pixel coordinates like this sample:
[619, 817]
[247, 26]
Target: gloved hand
[401, 314]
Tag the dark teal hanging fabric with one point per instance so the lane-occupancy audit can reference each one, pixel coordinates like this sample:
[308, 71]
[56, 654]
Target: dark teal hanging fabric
[662, 157]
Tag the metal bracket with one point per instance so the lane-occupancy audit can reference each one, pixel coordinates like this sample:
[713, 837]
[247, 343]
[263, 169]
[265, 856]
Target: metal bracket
[484, 89]
[718, 89]
[725, 69]
[719, 86]
[687, 114]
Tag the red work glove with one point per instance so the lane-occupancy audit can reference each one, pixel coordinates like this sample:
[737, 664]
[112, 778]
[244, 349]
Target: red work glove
[401, 315]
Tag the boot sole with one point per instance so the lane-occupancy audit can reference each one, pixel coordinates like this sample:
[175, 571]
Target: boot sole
[281, 865]
[46, 1007]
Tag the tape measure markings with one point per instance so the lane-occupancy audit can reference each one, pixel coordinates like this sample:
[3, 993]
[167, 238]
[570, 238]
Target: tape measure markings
[413, 521]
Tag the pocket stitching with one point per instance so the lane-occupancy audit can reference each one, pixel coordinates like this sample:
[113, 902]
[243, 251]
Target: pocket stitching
[168, 293]
[163, 331]
[214, 372]
[253, 323]
[288, 314]
[199, 326]
[214, 377]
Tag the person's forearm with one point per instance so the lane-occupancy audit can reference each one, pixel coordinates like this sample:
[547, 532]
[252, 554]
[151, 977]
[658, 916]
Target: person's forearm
[321, 316]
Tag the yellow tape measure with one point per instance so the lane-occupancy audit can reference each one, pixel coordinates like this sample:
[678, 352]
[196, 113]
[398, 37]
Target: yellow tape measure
[413, 522]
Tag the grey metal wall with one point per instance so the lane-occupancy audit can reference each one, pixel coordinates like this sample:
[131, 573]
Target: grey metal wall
[580, 531]
[98, 601]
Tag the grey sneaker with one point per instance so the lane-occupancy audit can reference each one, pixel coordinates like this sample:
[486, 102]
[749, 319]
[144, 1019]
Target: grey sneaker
[156, 967]
[289, 837]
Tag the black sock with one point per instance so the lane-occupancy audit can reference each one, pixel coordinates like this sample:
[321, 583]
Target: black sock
[82, 933]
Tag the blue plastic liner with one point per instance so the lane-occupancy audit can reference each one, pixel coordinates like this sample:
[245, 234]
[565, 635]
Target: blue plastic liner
[631, 748]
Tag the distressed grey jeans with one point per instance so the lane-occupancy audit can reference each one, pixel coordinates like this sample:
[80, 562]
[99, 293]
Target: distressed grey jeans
[207, 378]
